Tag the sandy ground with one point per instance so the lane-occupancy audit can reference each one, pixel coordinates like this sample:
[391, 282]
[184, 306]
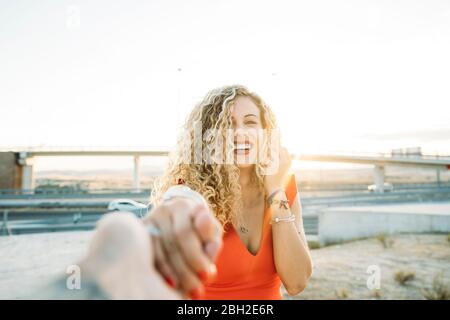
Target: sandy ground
[29, 261]
[340, 271]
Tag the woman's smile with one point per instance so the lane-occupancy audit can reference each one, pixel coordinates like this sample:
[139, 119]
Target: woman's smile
[242, 148]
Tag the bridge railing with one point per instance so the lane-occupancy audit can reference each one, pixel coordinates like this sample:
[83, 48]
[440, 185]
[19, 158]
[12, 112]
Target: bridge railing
[387, 155]
[138, 149]
[57, 149]
[60, 191]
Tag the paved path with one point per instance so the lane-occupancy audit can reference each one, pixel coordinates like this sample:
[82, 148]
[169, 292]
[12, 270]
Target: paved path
[27, 261]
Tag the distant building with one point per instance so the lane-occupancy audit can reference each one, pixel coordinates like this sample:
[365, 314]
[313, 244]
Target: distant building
[407, 152]
[10, 171]
[397, 152]
[416, 151]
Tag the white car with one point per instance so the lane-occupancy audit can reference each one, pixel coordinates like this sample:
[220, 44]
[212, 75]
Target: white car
[128, 205]
[387, 187]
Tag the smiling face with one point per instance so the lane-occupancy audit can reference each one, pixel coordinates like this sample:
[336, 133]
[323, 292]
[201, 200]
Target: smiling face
[247, 124]
[208, 135]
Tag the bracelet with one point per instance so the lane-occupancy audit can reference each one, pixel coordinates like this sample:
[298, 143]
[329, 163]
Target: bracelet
[154, 230]
[184, 192]
[291, 218]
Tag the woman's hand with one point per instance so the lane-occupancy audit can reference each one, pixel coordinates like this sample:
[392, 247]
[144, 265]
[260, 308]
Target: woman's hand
[188, 245]
[277, 179]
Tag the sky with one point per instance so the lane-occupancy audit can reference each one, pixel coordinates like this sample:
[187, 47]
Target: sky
[341, 76]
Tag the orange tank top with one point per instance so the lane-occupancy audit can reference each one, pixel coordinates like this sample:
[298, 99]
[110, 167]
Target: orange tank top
[241, 275]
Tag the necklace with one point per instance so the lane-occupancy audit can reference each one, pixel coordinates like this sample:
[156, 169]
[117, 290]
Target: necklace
[253, 202]
[243, 229]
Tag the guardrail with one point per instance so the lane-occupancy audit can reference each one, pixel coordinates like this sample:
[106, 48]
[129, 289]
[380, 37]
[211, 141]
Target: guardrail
[18, 221]
[22, 221]
[41, 215]
[34, 218]
[307, 186]
[398, 196]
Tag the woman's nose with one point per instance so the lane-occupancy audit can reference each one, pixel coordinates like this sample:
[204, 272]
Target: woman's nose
[240, 134]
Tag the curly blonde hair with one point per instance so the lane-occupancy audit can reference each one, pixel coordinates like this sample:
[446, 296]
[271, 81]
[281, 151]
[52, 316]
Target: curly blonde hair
[218, 183]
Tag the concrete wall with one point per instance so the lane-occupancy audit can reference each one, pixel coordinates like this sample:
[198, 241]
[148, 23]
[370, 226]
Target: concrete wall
[10, 172]
[340, 225]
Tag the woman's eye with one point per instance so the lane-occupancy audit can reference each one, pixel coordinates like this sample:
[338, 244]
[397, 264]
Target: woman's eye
[250, 122]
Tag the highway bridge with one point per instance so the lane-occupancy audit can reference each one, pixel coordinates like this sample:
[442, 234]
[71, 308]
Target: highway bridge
[379, 161]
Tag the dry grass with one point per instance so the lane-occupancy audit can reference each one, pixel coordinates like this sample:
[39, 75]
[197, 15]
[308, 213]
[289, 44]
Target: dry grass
[314, 245]
[404, 276]
[439, 289]
[342, 293]
[385, 241]
[423, 253]
[448, 237]
[376, 294]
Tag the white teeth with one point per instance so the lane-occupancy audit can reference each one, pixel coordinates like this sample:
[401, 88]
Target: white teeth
[241, 151]
[242, 146]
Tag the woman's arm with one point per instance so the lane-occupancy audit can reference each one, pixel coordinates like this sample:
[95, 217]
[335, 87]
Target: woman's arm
[291, 253]
[292, 258]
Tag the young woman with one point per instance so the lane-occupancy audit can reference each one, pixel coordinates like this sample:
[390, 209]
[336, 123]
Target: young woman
[252, 195]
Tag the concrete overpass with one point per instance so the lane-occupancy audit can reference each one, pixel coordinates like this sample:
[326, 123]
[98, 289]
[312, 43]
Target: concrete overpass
[380, 161]
[24, 159]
